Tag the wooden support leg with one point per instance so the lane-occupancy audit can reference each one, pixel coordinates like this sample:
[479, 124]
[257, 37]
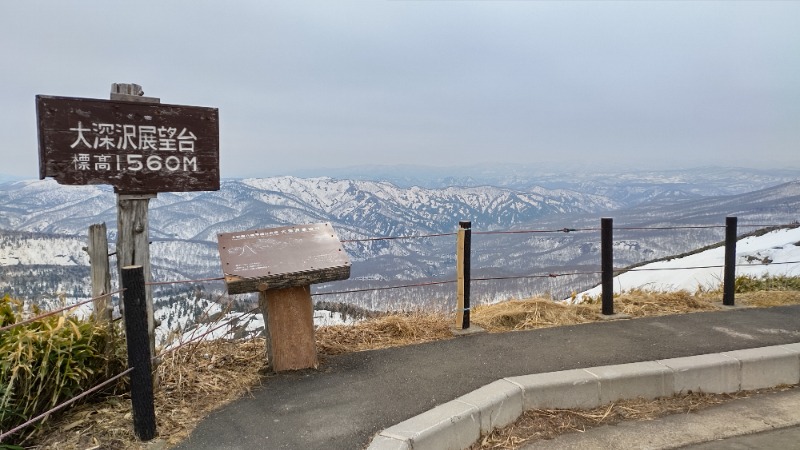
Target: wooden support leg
[262, 305]
[289, 322]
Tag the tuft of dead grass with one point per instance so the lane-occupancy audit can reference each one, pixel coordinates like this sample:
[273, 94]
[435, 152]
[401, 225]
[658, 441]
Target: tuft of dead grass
[529, 314]
[764, 299]
[640, 303]
[391, 330]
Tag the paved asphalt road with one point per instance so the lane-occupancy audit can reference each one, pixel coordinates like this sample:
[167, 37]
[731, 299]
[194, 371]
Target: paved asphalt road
[783, 439]
[353, 396]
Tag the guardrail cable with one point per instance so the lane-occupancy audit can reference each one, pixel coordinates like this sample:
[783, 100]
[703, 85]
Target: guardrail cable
[64, 404]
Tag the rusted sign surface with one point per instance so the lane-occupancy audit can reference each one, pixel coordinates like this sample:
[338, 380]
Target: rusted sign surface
[139, 148]
[277, 258]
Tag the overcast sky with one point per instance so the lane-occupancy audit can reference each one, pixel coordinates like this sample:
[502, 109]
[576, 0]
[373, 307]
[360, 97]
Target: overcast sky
[313, 85]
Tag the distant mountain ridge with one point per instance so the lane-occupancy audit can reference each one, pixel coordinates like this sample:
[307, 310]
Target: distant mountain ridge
[184, 226]
[626, 185]
[358, 208]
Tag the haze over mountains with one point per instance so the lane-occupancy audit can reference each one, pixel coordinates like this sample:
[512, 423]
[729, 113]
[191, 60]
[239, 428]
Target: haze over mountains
[43, 225]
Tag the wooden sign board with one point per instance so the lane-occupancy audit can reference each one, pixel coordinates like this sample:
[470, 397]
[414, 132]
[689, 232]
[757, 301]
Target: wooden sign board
[277, 258]
[139, 148]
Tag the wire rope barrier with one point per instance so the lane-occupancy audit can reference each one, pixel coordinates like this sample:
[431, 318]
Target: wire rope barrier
[560, 230]
[199, 280]
[385, 288]
[199, 338]
[391, 238]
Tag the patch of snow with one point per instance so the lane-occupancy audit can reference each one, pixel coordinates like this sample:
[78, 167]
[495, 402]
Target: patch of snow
[776, 253]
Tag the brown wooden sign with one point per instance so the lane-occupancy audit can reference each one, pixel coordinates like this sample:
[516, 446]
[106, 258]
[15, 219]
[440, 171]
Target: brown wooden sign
[139, 148]
[277, 258]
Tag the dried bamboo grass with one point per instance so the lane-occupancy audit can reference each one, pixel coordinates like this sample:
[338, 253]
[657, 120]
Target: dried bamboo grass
[769, 298]
[386, 331]
[528, 314]
[640, 303]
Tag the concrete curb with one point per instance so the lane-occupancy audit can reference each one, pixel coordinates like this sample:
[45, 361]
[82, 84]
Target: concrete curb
[459, 423]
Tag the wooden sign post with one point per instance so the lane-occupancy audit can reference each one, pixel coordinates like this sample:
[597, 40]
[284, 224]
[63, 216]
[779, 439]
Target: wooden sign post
[139, 146]
[281, 264]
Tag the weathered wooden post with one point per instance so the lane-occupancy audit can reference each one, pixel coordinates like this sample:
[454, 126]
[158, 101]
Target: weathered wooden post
[133, 229]
[100, 272]
[281, 264]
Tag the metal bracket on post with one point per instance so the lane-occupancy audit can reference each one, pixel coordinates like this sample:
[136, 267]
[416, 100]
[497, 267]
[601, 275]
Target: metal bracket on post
[130, 93]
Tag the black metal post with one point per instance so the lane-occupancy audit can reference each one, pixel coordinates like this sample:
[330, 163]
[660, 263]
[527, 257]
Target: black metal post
[607, 264]
[467, 227]
[729, 280]
[134, 298]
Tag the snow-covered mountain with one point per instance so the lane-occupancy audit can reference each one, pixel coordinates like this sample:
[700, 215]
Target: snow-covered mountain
[628, 187]
[184, 226]
[356, 208]
[49, 224]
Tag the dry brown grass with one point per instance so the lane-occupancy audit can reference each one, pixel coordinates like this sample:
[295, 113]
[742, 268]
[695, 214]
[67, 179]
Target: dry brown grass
[640, 303]
[197, 379]
[528, 314]
[392, 330]
[765, 299]
[541, 424]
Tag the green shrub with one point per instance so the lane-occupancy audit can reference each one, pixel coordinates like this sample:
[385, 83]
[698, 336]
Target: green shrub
[48, 361]
[747, 283]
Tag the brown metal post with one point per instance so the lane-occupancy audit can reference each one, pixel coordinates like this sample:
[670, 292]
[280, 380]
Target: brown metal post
[607, 264]
[729, 279]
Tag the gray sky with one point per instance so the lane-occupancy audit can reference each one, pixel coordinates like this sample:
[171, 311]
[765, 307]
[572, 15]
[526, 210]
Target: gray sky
[311, 85]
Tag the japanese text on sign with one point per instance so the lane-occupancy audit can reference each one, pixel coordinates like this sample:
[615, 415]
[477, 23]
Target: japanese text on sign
[109, 136]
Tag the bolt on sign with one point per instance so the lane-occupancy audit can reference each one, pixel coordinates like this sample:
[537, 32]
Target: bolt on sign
[139, 148]
[278, 258]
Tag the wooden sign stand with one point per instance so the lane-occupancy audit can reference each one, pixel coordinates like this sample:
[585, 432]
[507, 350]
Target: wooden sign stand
[289, 328]
[137, 145]
[281, 264]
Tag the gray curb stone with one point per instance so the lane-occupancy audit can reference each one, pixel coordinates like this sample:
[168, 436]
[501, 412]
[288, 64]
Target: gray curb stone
[499, 404]
[714, 373]
[767, 366]
[643, 379]
[565, 389]
[452, 425]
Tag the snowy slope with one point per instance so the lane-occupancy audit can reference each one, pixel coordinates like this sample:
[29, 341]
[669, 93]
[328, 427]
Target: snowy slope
[774, 253]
